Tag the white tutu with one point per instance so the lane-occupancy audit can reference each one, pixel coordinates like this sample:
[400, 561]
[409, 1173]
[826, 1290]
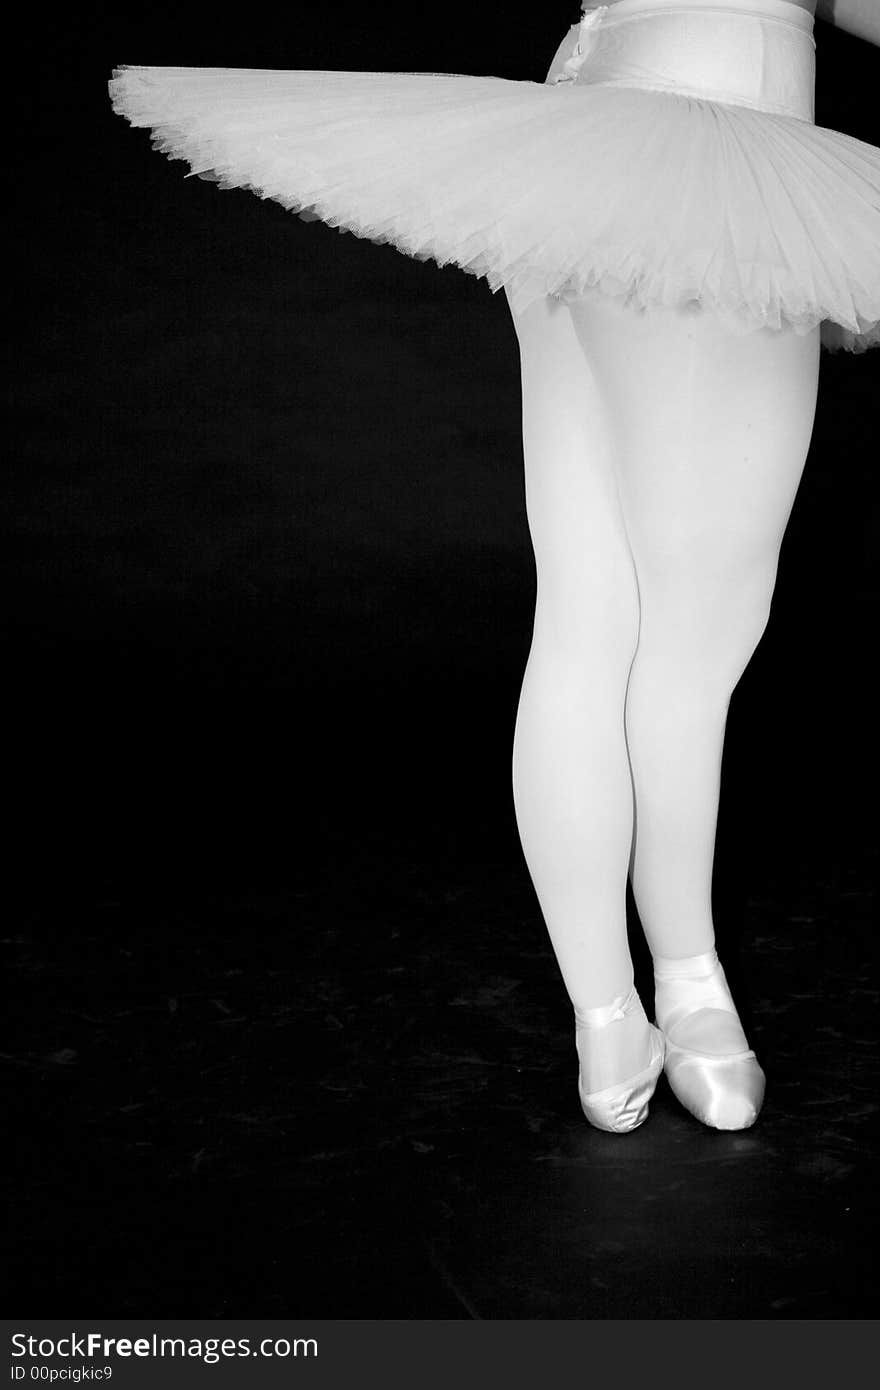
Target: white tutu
[628, 175]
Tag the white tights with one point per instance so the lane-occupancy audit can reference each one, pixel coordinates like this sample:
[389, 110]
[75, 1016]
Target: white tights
[662, 457]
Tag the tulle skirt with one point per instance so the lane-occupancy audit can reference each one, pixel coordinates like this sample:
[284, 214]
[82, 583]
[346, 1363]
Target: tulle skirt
[642, 184]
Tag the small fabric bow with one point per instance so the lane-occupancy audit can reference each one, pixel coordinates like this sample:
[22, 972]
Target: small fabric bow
[585, 40]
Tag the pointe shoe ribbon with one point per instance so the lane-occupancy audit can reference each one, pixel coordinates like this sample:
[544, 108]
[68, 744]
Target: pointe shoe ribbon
[721, 1090]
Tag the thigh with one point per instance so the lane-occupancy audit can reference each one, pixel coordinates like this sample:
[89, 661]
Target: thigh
[572, 499]
[710, 434]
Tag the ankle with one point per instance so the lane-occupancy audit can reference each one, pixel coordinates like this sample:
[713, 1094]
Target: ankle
[687, 967]
[693, 1005]
[607, 1013]
[614, 1042]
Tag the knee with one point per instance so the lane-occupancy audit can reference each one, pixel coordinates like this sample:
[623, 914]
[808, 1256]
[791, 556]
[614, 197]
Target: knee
[738, 624]
[590, 614]
[710, 626]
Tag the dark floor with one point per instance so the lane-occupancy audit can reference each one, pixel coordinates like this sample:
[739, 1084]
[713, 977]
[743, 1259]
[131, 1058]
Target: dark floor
[350, 1092]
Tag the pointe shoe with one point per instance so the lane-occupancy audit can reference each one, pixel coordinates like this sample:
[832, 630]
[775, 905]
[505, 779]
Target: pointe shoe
[623, 1106]
[723, 1089]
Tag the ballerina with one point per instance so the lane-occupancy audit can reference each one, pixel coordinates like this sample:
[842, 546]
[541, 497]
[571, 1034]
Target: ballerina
[675, 238]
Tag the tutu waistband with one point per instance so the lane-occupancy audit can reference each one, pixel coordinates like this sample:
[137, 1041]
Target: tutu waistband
[756, 53]
[784, 10]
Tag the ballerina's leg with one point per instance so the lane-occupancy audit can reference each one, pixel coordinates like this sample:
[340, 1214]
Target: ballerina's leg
[571, 779]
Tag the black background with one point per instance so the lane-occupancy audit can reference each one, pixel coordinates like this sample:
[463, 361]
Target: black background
[268, 602]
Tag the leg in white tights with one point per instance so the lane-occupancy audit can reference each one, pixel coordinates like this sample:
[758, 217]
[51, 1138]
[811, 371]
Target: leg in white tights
[710, 434]
[662, 458]
[571, 780]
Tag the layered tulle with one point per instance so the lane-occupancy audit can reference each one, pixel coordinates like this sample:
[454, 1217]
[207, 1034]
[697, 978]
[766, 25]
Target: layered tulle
[658, 197]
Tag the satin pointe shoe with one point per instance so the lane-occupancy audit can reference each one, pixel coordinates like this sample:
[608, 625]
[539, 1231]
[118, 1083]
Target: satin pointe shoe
[709, 1065]
[612, 1040]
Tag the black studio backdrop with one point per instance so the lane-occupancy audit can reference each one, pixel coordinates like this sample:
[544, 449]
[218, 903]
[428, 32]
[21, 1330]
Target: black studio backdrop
[269, 584]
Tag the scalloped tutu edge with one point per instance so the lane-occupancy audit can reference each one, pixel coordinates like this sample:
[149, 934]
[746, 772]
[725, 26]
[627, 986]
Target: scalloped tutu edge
[653, 197]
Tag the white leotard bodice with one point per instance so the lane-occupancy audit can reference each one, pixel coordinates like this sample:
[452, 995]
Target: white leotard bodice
[758, 53]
